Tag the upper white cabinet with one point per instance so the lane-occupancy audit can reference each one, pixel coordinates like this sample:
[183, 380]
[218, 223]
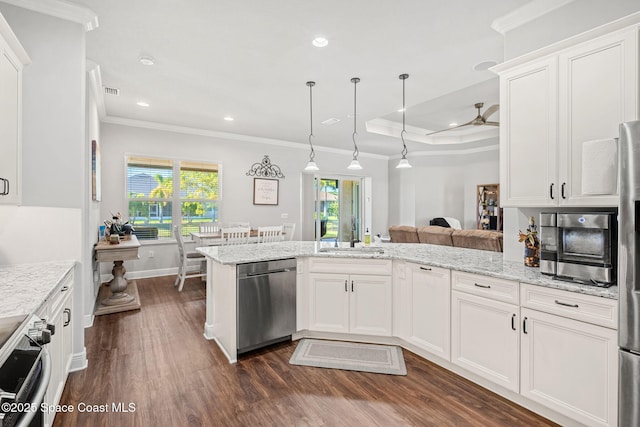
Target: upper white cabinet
[12, 60]
[551, 106]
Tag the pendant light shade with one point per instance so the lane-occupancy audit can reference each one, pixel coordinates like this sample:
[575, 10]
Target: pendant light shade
[355, 164]
[403, 163]
[311, 165]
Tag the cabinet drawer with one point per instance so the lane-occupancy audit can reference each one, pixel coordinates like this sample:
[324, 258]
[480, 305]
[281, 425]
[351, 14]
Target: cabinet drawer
[586, 308]
[64, 288]
[382, 267]
[489, 287]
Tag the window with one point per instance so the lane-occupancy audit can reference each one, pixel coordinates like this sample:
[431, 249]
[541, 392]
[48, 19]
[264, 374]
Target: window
[155, 202]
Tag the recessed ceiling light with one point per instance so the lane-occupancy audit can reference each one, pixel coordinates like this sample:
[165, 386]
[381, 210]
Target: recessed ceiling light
[228, 118]
[452, 124]
[320, 41]
[484, 65]
[147, 60]
[142, 104]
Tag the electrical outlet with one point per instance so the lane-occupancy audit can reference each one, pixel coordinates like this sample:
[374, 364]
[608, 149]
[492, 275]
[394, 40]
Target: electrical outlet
[284, 215]
[151, 254]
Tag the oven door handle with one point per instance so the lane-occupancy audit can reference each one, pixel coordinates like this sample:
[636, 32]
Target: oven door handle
[38, 397]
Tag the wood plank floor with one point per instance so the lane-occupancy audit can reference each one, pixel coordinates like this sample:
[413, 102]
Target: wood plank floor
[157, 359]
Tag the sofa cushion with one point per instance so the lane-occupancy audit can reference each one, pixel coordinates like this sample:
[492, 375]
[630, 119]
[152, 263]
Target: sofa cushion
[435, 235]
[403, 234]
[478, 239]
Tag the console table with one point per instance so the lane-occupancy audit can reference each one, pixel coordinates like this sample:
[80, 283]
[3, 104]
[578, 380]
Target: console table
[119, 294]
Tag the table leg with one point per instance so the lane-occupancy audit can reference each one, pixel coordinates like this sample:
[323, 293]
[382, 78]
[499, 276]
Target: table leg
[118, 286]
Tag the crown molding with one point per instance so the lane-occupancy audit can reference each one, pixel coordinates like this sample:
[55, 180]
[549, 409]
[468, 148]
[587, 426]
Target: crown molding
[416, 134]
[60, 9]
[231, 136]
[476, 150]
[527, 13]
[94, 81]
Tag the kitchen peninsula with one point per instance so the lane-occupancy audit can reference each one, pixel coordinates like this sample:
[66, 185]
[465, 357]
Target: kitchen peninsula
[466, 310]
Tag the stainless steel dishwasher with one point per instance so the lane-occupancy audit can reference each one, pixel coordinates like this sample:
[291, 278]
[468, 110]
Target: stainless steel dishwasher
[266, 298]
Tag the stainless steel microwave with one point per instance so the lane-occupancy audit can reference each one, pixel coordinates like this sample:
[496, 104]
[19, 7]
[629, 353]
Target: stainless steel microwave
[579, 247]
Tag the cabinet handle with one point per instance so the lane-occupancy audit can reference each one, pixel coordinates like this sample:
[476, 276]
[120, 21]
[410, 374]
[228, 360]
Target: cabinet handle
[551, 191]
[345, 286]
[513, 321]
[352, 286]
[562, 190]
[566, 304]
[482, 286]
[65, 288]
[67, 311]
[5, 187]
[425, 268]
[524, 325]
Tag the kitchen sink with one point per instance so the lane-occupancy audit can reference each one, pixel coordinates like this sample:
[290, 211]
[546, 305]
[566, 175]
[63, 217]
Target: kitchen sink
[357, 250]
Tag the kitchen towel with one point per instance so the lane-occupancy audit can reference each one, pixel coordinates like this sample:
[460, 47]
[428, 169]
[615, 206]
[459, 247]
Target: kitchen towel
[600, 167]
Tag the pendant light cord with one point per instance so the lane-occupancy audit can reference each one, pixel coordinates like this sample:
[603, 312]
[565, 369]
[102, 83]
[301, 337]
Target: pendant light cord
[404, 151]
[355, 81]
[312, 154]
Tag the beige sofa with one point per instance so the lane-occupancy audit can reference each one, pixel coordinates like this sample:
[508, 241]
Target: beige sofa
[486, 240]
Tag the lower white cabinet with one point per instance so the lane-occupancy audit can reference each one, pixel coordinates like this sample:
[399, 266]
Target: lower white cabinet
[570, 366]
[350, 303]
[485, 338]
[58, 313]
[427, 308]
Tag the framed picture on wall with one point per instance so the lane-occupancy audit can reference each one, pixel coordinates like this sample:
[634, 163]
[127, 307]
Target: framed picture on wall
[265, 191]
[95, 171]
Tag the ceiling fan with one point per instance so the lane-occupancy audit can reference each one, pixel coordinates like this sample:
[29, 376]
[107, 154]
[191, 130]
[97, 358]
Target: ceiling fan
[480, 120]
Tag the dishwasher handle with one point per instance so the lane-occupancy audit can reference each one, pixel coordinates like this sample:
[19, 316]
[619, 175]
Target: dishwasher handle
[266, 273]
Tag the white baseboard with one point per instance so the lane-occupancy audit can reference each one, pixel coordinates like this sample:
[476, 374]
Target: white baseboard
[87, 320]
[79, 361]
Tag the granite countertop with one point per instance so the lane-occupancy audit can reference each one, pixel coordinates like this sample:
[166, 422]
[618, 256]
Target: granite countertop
[25, 287]
[469, 260]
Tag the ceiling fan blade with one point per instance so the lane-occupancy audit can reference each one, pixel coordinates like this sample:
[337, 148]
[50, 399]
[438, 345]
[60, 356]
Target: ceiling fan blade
[492, 123]
[453, 127]
[490, 111]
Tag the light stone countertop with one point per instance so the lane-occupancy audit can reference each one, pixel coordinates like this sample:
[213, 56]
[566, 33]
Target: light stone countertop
[469, 260]
[25, 287]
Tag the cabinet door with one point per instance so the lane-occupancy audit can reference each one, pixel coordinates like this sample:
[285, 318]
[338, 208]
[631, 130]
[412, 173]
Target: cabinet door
[329, 302]
[10, 88]
[370, 305]
[67, 336]
[485, 338]
[430, 309]
[598, 91]
[528, 139]
[570, 366]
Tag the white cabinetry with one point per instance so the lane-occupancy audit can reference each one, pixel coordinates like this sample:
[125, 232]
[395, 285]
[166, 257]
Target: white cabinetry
[426, 308]
[57, 311]
[484, 329]
[351, 299]
[569, 365]
[551, 106]
[12, 60]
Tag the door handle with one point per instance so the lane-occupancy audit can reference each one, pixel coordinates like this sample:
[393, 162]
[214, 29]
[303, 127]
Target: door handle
[567, 304]
[425, 268]
[513, 321]
[352, 286]
[67, 311]
[551, 191]
[562, 190]
[5, 187]
[345, 286]
[482, 286]
[524, 325]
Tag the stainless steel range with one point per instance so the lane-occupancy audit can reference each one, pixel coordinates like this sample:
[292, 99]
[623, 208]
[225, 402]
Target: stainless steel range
[25, 369]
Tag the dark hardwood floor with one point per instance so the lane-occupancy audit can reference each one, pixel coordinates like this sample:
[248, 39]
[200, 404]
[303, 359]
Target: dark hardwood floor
[157, 360]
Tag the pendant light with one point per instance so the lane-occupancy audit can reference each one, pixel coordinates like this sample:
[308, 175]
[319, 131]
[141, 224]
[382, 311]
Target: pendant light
[403, 163]
[355, 164]
[311, 165]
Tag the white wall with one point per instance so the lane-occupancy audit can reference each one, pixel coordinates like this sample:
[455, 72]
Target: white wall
[236, 157]
[440, 185]
[569, 20]
[53, 154]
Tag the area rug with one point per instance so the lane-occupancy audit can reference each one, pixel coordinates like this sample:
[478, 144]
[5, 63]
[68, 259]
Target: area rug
[379, 359]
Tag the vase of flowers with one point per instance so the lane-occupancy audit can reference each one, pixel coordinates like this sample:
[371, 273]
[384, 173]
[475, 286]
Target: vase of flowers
[531, 244]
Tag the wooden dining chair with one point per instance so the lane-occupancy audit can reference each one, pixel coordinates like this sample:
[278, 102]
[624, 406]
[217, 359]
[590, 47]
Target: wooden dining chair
[271, 233]
[208, 227]
[288, 228]
[187, 259]
[235, 236]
